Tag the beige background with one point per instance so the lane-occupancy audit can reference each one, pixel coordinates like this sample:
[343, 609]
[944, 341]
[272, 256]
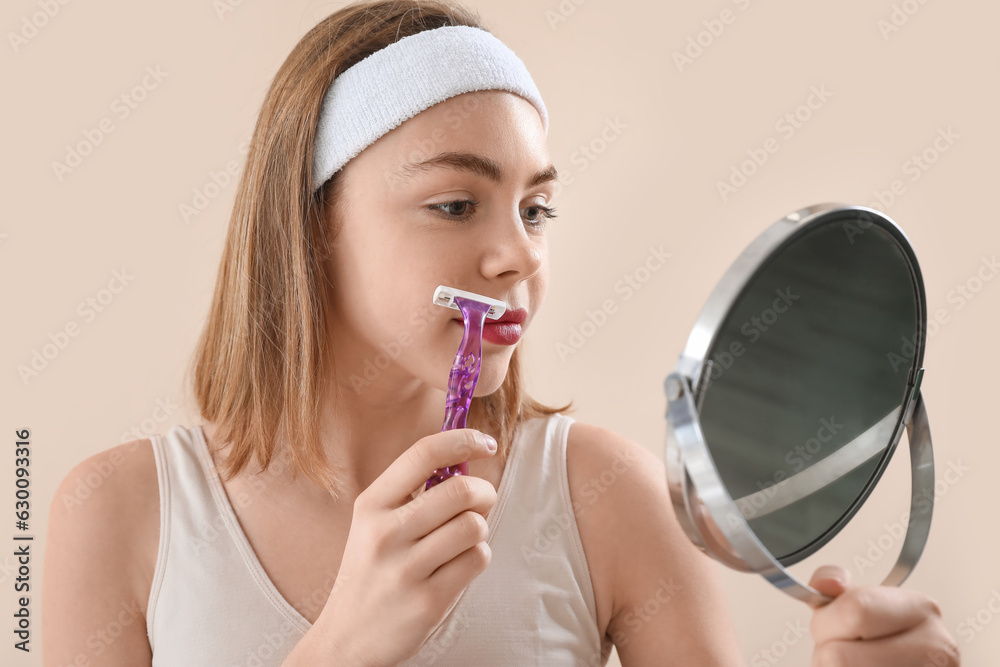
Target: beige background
[654, 183]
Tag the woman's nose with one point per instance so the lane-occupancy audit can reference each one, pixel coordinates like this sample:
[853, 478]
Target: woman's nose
[511, 250]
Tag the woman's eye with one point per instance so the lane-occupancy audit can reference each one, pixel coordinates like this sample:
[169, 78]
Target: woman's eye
[545, 214]
[448, 210]
[538, 215]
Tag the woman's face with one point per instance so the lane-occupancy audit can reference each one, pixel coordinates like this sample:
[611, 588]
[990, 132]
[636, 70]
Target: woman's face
[405, 229]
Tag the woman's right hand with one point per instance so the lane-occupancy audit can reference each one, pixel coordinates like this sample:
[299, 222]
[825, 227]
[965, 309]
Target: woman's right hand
[407, 559]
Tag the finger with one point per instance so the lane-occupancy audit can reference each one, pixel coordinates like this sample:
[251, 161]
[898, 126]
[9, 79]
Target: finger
[929, 644]
[442, 502]
[451, 578]
[456, 536]
[414, 466]
[870, 612]
[830, 580]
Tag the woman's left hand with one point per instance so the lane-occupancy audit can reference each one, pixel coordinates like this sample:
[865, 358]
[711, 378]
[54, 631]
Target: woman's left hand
[877, 626]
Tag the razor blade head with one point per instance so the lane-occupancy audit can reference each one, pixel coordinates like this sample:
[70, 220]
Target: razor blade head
[445, 296]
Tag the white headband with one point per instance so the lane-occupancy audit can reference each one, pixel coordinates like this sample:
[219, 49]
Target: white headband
[399, 81]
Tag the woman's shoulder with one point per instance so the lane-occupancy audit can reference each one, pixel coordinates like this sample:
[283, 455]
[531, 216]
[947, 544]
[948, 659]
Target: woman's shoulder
[601, 467]
[103, 525]
[591, 444]
[639, 557]
[600, 460]
[119, 482]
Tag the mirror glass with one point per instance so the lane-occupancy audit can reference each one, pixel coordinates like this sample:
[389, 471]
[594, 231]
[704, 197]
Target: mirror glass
[804, 384]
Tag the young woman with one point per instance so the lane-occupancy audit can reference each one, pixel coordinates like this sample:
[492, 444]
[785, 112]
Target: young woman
[322, 355]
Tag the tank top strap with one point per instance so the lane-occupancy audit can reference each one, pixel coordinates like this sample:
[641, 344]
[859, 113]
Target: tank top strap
[203, 583]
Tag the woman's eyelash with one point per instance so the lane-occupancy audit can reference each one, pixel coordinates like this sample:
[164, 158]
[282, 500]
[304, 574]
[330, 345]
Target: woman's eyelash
[440, 208]
[548, 212]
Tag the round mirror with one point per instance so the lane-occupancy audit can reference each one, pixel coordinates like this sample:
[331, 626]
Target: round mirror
[794, 388]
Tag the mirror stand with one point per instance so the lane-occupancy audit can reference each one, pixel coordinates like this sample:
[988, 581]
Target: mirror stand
[715, 524]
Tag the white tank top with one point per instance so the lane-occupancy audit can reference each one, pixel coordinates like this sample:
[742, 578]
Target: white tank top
[212, 604]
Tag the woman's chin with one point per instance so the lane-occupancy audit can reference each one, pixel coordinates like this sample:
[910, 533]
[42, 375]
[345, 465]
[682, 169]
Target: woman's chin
[491, 377]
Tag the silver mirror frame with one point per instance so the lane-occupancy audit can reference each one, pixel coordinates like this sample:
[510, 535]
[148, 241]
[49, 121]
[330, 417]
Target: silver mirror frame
[707, 513]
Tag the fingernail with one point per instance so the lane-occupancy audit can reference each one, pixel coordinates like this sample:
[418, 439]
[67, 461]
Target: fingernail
[491, 442]
[832, 573]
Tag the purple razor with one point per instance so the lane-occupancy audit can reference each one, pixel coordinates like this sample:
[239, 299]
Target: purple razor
[465, 370]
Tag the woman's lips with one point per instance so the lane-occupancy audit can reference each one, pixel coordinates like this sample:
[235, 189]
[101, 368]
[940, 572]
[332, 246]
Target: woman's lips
[501, 333]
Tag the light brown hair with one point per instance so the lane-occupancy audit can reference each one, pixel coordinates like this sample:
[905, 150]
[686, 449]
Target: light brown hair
[261, 362]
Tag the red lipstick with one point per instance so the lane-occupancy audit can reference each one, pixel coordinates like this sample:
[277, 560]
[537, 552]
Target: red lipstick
[503, 331]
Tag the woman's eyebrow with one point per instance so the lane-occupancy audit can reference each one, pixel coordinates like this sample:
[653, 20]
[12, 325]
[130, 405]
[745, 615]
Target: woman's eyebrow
[474, 163]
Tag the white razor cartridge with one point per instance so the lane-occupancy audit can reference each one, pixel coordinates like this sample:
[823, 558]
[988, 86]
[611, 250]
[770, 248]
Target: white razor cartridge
[445, 296]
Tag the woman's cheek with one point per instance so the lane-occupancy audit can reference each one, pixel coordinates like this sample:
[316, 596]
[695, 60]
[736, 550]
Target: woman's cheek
[417, 321]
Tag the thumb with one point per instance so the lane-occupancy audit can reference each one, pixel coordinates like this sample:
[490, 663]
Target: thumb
[830, 580]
